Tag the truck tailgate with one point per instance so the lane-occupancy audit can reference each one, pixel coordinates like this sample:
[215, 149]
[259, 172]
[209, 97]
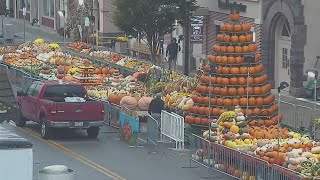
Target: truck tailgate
[82, 111]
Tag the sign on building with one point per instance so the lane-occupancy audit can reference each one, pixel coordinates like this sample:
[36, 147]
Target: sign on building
[197, 29]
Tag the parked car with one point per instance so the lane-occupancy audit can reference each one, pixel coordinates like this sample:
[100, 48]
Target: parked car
[48, 103]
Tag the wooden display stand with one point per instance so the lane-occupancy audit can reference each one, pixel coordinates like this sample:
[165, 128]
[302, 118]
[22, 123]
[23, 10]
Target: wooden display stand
[87, 75]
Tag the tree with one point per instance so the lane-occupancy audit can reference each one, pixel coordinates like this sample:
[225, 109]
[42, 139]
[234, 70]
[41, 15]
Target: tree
[151, 18]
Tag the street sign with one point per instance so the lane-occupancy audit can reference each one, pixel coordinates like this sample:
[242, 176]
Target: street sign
[24, 11]
[86, 21]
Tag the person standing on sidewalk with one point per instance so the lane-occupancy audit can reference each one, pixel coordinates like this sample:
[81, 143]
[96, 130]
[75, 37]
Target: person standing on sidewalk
[172, 51]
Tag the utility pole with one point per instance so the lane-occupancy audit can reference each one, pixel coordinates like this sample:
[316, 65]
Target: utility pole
[186, 40]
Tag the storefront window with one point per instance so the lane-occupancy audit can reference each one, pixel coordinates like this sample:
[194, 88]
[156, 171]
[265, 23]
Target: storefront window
[48, 8]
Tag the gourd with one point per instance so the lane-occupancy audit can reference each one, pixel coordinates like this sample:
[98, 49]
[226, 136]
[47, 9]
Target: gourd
[234, 129]
[129, 102]
[315, 150]
[144, 102]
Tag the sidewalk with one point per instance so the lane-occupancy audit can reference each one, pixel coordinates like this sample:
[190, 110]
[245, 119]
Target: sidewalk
[32, 32]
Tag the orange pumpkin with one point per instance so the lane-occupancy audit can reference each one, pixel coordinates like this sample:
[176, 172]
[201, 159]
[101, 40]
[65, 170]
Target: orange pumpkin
[212, 58]
[231, 60]
[234, 38]
[227, 102]
[242, 80]
[257, 80]
[206, 68]
[252, 70]
[223, 91]
[204, 121]
[230, 49]
[215, 111]
[259, 68]
[216, 48]
[219, 79]
[226, 38]
[197, 120]
[229, 27]
[222, 111]
[238, 49]
[213, 80]
[234, 81]
[253, 47]
[239, 59]
[258, 57]
[218, 59]
[243, 101]
[200, 99]
[223, 27]
[256, 110]
[225, 70]
[235, 102]
[201, 110]
[241, 91]
[213, 101]
[232, 91]
[242, 38]
[237, 27]
[223, 49]
[224, 59]
[269, 99]
[98, 71]
[216, 90]
[249, 80]
[257, 90]
[234, 16]
[220, 37]
[249, 37]
[252, 101]
[245, 49]
[259, 101]
[249, 90]
[246, 27]
[266, 88]
[234, 70]
[225, 81]
[219, 101]
[129, 102]
[243, 70]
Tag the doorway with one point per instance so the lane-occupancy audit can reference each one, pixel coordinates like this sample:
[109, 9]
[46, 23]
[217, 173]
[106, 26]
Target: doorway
[283, 55]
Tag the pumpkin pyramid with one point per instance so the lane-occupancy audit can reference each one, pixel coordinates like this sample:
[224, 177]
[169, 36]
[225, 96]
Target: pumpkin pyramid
[234, 76]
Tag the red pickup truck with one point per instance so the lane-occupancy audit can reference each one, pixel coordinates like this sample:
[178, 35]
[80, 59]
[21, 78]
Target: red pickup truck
[46, 103]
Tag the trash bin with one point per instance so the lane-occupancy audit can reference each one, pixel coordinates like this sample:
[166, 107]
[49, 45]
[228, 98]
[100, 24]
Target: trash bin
[56, 172]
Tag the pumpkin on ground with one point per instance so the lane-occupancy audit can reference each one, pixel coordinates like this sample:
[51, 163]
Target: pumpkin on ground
[129, 102]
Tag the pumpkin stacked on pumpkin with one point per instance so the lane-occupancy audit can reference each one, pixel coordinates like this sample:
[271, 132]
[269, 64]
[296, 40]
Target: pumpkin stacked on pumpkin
[238, 78]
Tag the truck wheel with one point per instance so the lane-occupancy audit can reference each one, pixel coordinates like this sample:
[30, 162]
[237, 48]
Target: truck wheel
[21, 122]
[46, 132]
[93, 132]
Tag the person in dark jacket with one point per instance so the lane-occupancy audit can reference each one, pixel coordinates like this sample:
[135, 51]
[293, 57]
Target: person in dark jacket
[156, 105]
[172, 51]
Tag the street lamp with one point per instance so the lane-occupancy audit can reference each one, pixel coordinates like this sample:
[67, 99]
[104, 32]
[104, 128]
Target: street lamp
[281, 87]
[313, 74]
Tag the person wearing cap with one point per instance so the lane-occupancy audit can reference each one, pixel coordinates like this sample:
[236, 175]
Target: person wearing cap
[156, 105]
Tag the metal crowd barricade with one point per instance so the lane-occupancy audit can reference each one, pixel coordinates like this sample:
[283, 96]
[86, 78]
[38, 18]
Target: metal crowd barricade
[113, 117]
[304, 116]
[254, 167]
[172, 127]
[289, 115]
[282, 173]
[200, 152]
[226, 160]
[152, 130]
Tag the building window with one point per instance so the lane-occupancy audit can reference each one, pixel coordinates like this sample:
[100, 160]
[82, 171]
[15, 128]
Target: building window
[48, 8]
[285, 58]
[25, 3]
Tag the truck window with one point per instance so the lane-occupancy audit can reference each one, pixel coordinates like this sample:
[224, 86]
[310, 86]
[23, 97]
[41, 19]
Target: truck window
[64, 91]
[31, 89]
[37, 90]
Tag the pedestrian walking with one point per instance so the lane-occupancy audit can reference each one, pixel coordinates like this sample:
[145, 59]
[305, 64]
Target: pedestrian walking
[172, 50]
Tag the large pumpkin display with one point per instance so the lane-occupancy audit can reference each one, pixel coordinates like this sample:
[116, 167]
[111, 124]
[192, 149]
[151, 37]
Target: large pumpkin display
[144, 102]
[239, 64]
[129, 102]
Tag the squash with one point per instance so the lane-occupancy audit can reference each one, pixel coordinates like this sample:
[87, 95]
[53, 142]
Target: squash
[144, 102]
[129, 102]
[234, 129]
[315, 150]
